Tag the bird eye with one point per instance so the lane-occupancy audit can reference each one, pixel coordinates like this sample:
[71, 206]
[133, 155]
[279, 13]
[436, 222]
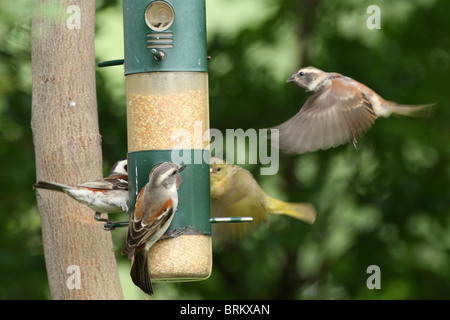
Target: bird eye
[218, 169]
[301, 73]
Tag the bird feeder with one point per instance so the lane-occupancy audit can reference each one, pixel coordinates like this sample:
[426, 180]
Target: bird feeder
[167, 115]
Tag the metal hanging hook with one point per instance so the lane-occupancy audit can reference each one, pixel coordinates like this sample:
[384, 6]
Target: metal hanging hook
[158, 54]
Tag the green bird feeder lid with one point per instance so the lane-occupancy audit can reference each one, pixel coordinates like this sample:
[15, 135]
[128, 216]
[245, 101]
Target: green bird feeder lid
[164, 36]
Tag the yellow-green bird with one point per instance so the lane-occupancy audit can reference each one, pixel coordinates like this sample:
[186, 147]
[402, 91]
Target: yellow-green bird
[235, 193]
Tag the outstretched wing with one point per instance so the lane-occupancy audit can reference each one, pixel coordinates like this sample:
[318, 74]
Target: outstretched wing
[338, 114]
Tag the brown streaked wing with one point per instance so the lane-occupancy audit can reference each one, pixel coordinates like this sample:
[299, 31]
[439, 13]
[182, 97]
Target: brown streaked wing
[118, 181]
[143, 224]
[335, 115]
[139, 233]
[99, 184]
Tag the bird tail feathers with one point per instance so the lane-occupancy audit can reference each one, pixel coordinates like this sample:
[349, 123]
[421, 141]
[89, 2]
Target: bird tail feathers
[423, 110]
[139, 271]
[302, 211]
[50, 186]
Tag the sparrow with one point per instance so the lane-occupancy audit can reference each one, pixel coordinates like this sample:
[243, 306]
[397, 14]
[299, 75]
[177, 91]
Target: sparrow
[338, 111]
[155, 207]
[235, 192]
[107, 195]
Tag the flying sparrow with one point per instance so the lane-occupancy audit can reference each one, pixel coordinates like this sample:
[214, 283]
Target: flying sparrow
[338, 111]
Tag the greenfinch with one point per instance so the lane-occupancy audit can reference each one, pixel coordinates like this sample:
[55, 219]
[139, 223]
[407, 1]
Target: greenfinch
[235, 193]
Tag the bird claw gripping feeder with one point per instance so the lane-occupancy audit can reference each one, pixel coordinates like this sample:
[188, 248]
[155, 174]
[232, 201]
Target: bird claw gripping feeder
[167, 116]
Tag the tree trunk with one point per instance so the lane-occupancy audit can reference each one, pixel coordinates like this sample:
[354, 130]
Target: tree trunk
[79, 254]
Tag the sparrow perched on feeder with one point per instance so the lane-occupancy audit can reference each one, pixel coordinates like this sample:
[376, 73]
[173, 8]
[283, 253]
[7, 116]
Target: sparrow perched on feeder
[108, 195]
[155, 207]
[338, 111]
[234, 192]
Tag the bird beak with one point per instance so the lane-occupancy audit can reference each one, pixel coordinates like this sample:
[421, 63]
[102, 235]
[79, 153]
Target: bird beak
[291, 79]
[181, 168]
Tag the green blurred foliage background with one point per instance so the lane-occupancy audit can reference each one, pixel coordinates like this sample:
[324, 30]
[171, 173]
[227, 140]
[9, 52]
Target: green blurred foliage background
[385, 204]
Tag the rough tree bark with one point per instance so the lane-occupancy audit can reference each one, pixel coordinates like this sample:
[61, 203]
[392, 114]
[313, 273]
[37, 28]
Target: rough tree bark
[79, 254]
